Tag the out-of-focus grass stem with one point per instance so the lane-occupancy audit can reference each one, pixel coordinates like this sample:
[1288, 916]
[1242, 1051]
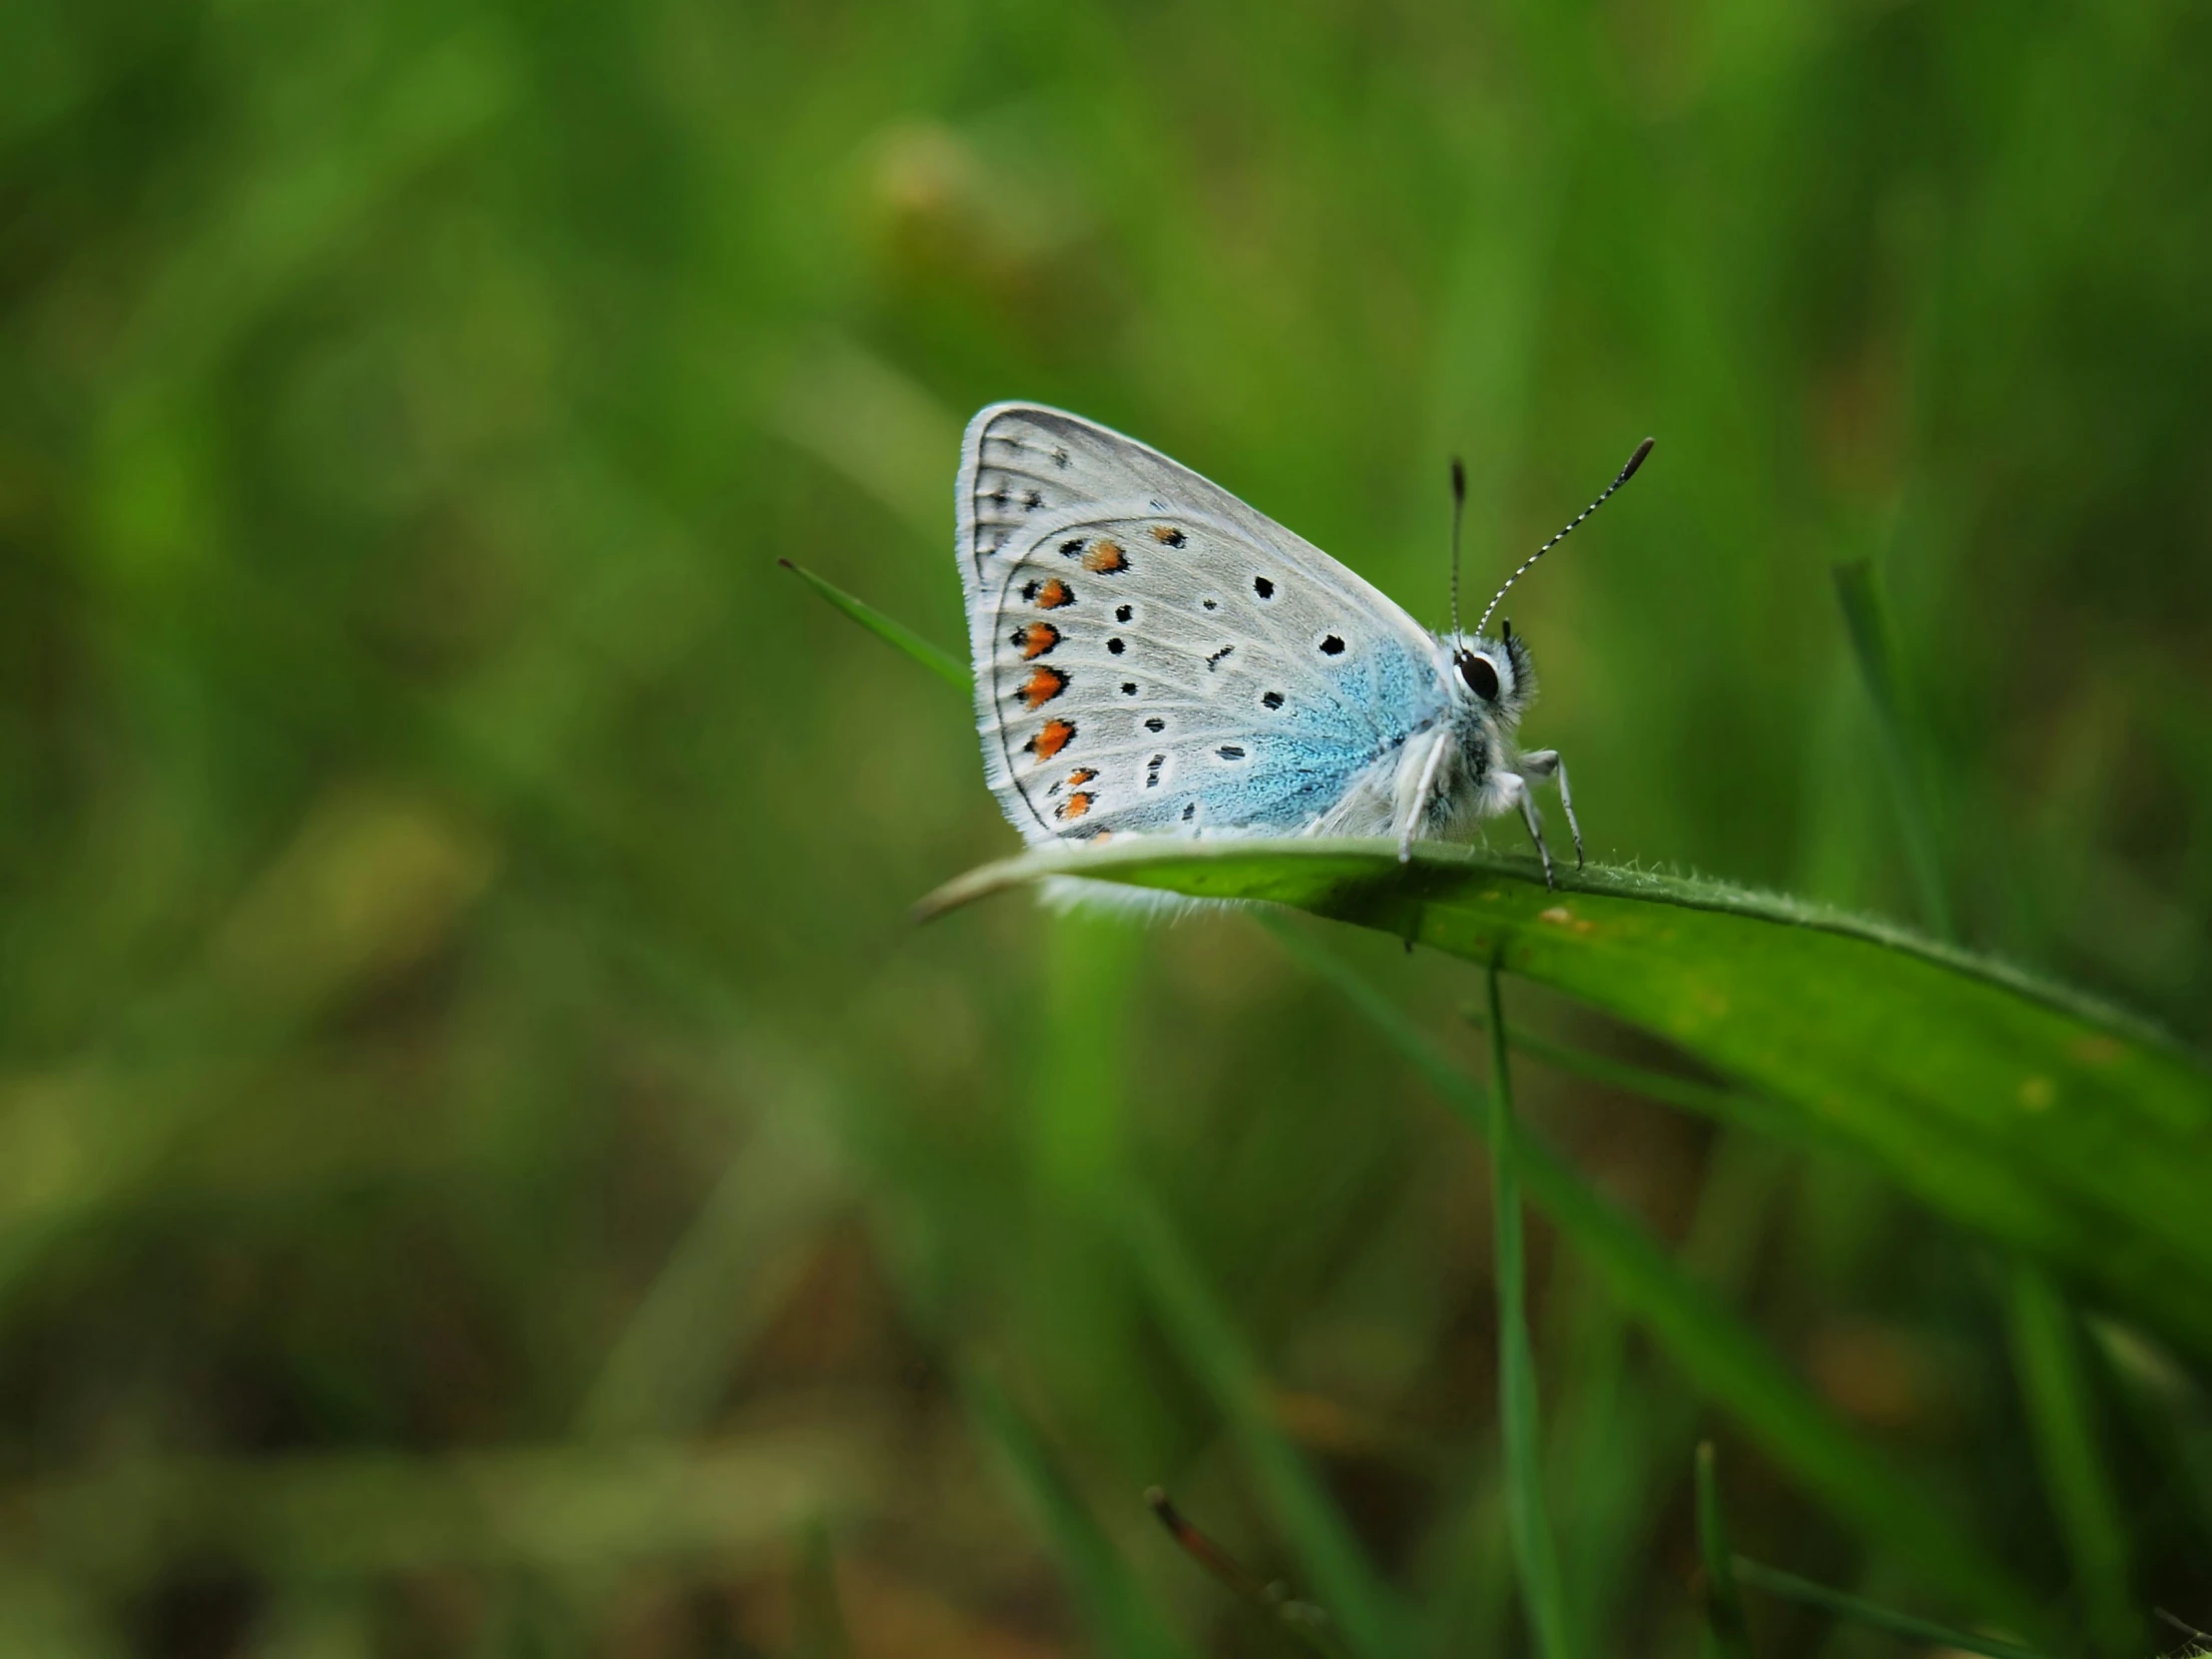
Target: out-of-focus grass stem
[1724, 1636]
[1113, 1603]
[1527, 1522]
[1200, 1329]
[1790, 1588]
[1307, 1624]
[2046, 1353]
[817, 1613]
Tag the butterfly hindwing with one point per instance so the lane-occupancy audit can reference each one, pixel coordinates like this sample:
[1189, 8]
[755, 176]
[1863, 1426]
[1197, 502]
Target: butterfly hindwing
[1152, 655]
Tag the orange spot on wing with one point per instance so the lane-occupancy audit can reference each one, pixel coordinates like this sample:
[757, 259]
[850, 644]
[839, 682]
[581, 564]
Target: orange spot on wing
[1075, 806]
[1042, 686]
[1082, 776]
[1167, 535]
[1054, 736]
[1035, 639]
[1105, 557]
[1054, 594]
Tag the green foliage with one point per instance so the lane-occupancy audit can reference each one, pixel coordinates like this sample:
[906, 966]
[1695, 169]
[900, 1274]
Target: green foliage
[487, 1165]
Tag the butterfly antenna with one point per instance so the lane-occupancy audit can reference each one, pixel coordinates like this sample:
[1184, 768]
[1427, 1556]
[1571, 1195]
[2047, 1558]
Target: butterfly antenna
[1627, 473]
[1459, 511]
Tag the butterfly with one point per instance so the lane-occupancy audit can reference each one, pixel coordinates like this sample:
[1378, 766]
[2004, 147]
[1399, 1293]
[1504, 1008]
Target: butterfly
[1154, 657]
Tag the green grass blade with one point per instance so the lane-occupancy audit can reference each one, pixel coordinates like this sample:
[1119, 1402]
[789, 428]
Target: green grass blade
[1722, 1357]
[2033, 1116]
[1527, 1520]
[1113, 1603]
[2046, 1354]
[1725, 1636]
[1790, 1588]
[718, 1287]
[818, 1614]
[1881, 666]
[942, 664]
[2170, 1410]
[1344, 1584]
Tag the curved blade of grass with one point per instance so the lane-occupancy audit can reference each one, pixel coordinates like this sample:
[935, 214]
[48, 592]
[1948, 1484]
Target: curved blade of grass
[942, 664]
[1529, 1527]
[1790, 1588]
[2032, 1115]
[1721, 1357]
[1725, 1635]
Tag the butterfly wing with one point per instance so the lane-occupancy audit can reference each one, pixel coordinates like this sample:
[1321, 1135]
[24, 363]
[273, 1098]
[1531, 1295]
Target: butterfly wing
[1152, 655]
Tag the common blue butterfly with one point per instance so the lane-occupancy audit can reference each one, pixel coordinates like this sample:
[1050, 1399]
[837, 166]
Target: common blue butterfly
[1154, 657]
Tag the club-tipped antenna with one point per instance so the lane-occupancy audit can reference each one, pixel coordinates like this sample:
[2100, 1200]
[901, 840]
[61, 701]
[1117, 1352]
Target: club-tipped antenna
[1459, 511]
[1627, 473]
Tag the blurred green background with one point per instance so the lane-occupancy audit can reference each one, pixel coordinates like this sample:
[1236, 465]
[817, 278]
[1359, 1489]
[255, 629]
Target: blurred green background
[487, 1165]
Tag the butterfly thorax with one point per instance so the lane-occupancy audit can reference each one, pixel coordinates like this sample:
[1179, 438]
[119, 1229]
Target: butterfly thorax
[1490, 683]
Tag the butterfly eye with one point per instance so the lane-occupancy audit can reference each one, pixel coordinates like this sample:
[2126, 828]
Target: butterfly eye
[1480, 677]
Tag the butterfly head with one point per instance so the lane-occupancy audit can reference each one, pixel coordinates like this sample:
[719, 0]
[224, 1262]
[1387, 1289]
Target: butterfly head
[1492, 680]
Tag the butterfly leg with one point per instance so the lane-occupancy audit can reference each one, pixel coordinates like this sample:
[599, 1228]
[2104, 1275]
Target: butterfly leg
[1545, 763]
[1422, 795]
[1519, 793]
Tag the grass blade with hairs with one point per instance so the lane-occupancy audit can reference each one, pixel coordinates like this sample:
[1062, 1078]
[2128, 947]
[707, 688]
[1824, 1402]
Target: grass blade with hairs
[2040, 1119]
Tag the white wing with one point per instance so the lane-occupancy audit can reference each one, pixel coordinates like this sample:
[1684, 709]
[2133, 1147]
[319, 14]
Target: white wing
[1151, 654]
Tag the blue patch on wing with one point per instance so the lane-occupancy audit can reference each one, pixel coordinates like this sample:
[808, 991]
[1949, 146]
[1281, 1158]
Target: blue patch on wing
[1301, 759]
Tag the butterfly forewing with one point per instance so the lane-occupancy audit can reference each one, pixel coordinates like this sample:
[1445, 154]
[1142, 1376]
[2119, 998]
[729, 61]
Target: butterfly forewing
[1152, 655]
